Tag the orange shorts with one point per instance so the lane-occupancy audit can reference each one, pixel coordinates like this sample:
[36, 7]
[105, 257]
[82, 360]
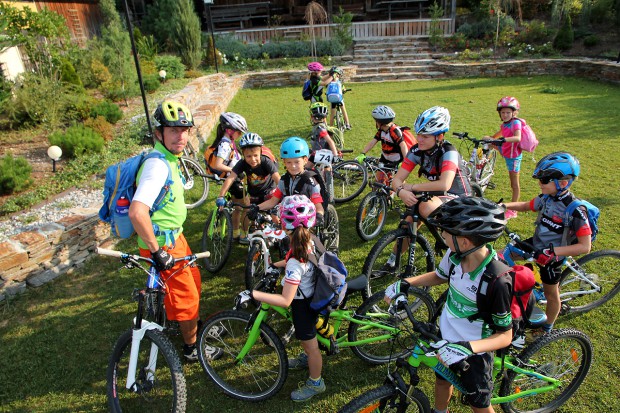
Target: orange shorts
[183, 284]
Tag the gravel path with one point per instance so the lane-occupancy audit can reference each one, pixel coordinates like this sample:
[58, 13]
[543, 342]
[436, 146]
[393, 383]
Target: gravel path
[51, 212]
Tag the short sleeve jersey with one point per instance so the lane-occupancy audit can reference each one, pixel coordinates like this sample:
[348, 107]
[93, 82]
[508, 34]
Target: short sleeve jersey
[259, 179]
[508, 129]
[552, 220]
[461, 302]
[390, 143]
[300, 274]
[311, 189]
[316, 88]
[228, 152]
[432, 165]
[319, 133]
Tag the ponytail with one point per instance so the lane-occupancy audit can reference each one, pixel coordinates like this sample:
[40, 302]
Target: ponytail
[300, 240]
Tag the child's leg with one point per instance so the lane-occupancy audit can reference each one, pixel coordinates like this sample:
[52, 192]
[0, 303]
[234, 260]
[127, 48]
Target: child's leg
[552, 294]
[332, 113]
[245, 222]
[315, 360]
[514, 185]
[344, 113]
[443, 393]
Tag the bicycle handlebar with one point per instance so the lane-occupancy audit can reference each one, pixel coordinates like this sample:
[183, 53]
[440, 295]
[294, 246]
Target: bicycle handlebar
[476, 142]
[120, 254]
[423, 195]
[346, 151]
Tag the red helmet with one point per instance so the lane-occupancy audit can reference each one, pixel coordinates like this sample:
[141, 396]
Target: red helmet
[508, 102]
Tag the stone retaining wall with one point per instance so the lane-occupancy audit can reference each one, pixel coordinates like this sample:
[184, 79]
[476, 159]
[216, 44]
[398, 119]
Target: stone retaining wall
[32, 258]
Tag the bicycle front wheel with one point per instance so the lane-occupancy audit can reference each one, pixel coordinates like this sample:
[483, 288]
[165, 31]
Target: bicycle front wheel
[487, 171]
[254, 265]
[217, 239]
[159, 382]
[564, 354]
[259, 374]
[375, 310]
[371, 214]
[340, 120]
[381, 272]
[330, 235]
[602, 268]
[387, 399]
[350, 179]
[196, 183]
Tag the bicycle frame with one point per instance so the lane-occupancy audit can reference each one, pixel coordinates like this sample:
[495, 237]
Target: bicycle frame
[262, 236]
[373, 165]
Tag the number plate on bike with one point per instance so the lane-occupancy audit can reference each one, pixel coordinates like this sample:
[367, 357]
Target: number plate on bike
[323, 157]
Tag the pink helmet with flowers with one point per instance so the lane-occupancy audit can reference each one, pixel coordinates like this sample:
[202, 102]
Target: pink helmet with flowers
[508, 102]
[315, 67]
[297, 210]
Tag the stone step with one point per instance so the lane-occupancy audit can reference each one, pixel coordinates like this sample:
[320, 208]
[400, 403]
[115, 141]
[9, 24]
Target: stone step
[393, 77]
[393, 69]
[401, 40]
[392, 62]
[393, 56]
[389, 49]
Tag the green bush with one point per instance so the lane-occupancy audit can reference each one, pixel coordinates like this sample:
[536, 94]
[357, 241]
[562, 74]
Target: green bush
[77, 140]
[78, 106]
[109, 110]
[151, 83]
[534, 32]
[68, 73]
[343, 28]
[101, 126]
[232, 48]
[172, 65]
[486, 28]
[14, 174]
[565, 37]
[592, 40]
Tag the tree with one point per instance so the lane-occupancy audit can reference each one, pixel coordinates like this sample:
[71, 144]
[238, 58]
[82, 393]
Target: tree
[157, 22]
[315, 13]
[186, 34]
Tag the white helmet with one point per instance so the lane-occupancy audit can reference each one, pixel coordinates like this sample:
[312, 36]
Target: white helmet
[250, 139]
[383, 114]
[433, 121]
[232, 120]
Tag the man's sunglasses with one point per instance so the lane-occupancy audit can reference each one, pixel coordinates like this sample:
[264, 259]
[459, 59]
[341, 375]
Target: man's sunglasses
[545, 180]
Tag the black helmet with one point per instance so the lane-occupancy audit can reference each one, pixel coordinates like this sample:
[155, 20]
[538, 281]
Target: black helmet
[470, 217]
[174, 114]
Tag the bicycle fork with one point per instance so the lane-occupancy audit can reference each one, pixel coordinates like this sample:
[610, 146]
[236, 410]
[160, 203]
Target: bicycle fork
[137, 334]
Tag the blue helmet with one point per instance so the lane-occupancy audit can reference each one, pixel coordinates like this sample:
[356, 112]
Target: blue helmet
[556, 166]
[433, 121]
[294, 147]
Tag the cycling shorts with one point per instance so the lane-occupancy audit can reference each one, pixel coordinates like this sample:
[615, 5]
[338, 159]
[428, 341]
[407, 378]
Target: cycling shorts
[514, 164]
[477, 380]
[304, 319]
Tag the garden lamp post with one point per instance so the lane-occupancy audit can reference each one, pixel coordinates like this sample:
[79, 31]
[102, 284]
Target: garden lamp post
[162, 76]
[54, 152]
[208, 4]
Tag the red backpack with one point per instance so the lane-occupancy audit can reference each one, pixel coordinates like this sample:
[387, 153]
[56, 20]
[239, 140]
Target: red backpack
[408, 136]
[267, 152]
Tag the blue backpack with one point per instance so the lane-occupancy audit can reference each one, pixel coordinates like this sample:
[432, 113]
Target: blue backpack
[120, 181]
[306, 92]
[331, 285]
[334, 92]
[593, 215]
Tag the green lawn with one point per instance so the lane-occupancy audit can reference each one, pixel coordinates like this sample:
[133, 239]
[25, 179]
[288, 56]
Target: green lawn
[56, 340]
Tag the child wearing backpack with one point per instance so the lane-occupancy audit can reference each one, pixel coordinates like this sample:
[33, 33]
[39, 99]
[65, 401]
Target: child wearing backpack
[313, 86]
[223, 155]
[393, 146]
[261, 174]
[320, 136]
[555, 237]
[335, 95]
[296, 181]
[469, 225]
[510, 132]
[298, 215]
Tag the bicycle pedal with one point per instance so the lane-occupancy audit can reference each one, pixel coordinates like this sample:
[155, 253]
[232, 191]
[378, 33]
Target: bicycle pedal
[333, 346]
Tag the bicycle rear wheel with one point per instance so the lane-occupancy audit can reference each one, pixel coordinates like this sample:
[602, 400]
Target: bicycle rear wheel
[371, 215]
[263, 370]
[196, 183]
[601, 268]
[487, 171]
[380, 275]
[330, 234]
[339, 119]
[387, 399]
[564, 354]
[375, 309]
[160, 383]
[350, 179]
[217, 239]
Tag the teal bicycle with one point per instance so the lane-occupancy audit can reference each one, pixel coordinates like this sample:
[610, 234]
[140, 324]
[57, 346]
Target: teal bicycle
[539, 379]
[254, 365]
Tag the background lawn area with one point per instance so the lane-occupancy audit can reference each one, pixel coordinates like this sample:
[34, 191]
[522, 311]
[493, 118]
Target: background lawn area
[56, 340]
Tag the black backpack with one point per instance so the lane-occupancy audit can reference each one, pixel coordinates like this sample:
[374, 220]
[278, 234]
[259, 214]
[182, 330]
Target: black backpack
[306, 178]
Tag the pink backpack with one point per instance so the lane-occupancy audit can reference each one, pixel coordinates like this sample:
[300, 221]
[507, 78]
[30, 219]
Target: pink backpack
[528, 137]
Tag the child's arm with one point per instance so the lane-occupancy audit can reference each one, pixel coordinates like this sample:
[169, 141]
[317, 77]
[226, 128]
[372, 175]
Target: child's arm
[281, 300]
[496, 135]
[426, 280]
[227, 183]
[444, 183]
[583, 246]
[325, 80]
[403, 149]
[319, 208]
[523, 206]
[268, 204]
[219, 165]
[276, 177]
[331, 144]
[494, 342]
[369, 146]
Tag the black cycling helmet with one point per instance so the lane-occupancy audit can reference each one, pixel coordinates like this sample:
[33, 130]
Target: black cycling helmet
[173, 114]
[470, 217]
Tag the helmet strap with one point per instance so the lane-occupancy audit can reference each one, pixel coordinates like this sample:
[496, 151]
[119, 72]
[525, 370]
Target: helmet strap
[460, 255]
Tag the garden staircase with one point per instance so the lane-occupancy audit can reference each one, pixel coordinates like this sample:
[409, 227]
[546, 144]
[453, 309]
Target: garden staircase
[393, 58]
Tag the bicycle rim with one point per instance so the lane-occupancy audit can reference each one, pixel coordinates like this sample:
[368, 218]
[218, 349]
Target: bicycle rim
[196, 183]
[601, 268]
[379, 276]
[371, 215]
[259, 375]
[159, 390]
[217, 239]
[254, 265]
[564, 354]
[386, 399]
[350, 178]
[330, 235]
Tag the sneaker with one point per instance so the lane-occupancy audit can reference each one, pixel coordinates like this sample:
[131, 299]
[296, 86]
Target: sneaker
[244, 241]
[519, 341]
[386, 269]
[509, 214]
[307, 390]
[298, 363]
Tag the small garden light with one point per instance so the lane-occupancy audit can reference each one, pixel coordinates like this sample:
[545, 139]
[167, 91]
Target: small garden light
[54, 152]
[162, 76]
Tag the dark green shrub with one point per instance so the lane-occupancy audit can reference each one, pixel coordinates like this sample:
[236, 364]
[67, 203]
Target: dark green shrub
[77, 140]
[565, 37]
[14, 174]
[343, 28]
[486, 28]
[171, 64]
[151, 83]
[186, 34]
[534, 32]
[109, 110]
[592, 40]
[78, 106]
